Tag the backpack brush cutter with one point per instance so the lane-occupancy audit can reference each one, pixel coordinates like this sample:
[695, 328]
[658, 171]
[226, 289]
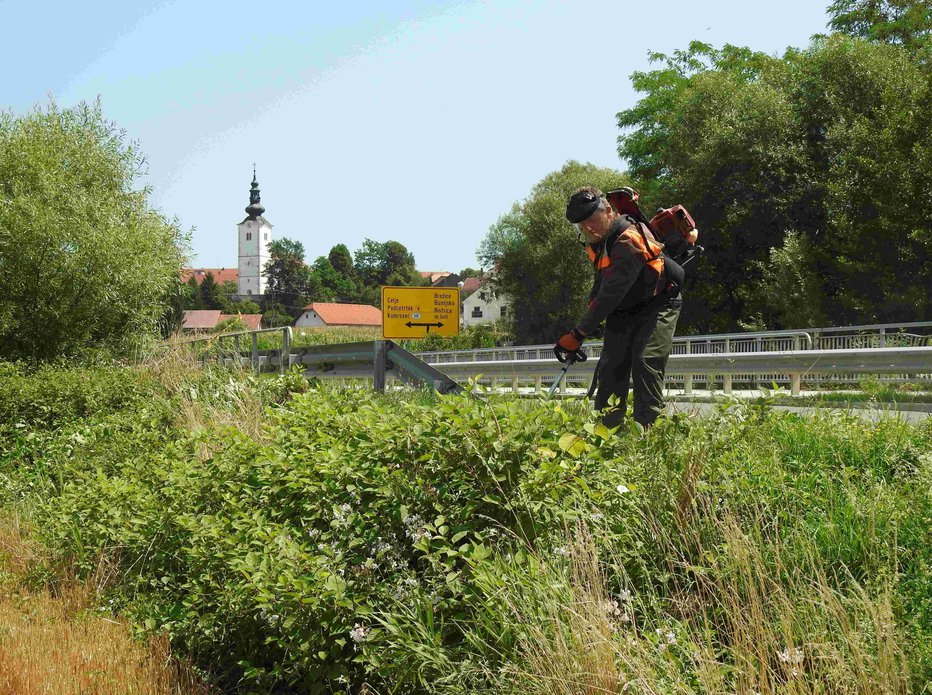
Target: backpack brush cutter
[665, 225]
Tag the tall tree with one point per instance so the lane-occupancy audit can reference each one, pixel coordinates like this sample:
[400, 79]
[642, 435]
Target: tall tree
[385, 263]
[831, 143]
[342, 261]
[907, 23]
[537, 259]
[193, 299]
[211, 293]
[333, 285]
[290, 282]
[72, 218]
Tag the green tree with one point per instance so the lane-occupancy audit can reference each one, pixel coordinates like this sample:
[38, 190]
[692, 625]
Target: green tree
[333, 285]
[342, 261]
[789, 281]
[907, 23]
[470, 273]
[275, 316]
[193, 299]
[290, 281]
[385, 263]
[539, 262]
[832, 142]
[71, 220]
[211, 293]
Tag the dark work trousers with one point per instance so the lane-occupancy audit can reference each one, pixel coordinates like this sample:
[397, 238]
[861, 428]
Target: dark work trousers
[638, 347]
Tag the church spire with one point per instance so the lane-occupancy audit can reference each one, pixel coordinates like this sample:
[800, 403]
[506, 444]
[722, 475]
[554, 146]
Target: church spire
[254, 208]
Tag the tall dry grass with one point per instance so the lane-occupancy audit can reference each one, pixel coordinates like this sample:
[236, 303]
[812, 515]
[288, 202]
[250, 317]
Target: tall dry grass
[54, 642]
[754, 626]
[207, 396]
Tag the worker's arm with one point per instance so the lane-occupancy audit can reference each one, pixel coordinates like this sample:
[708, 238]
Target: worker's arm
[616, 281]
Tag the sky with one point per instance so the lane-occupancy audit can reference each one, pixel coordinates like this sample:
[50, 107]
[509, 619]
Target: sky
[420, 121]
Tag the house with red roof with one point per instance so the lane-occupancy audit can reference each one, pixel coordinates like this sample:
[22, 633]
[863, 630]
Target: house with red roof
[338, 314]
[200, 319]
[441, 278]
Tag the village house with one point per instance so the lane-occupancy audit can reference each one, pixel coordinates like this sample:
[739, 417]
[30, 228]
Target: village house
[480, 303]
[337, 314]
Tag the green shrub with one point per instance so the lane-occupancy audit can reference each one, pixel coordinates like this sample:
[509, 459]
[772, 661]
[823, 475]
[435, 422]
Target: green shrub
[390, 539]
[58, 392]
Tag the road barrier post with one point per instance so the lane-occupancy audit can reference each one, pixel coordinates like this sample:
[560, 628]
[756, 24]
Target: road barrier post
[380, 363]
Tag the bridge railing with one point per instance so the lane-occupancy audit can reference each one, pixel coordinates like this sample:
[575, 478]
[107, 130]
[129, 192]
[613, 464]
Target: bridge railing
[228, 346]
[687, 369]
[736, 359]
[373, 360]
[913, 334]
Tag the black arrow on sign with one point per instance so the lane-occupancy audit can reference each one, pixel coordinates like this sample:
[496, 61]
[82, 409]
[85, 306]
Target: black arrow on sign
[411, 324]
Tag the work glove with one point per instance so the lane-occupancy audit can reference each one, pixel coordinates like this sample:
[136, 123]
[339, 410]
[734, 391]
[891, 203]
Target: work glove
[568, 344]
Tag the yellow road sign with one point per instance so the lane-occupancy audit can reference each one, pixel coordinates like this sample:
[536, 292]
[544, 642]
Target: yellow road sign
[416, 312]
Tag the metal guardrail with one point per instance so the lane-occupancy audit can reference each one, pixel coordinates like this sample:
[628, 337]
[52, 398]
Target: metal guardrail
[375, 359]
[768, 356]
[726, 342]
[839, 337]
[253, 336]
[796, 364]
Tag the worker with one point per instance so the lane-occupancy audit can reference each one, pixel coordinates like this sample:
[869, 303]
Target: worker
[636, 293]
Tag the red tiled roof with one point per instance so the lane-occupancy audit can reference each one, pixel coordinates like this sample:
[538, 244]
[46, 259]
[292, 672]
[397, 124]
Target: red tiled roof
[434, 276]
[472, 284]
[334, 314]
[251, 321]
[201, 319]
[221, 275]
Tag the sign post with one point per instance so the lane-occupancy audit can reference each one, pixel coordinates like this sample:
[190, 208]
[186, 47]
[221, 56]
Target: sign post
[416, 312]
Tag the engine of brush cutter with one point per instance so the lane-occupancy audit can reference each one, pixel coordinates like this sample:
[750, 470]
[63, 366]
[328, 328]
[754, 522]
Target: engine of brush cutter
[667, 221]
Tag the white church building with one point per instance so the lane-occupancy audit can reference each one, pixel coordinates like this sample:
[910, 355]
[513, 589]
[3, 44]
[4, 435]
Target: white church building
[255, 235]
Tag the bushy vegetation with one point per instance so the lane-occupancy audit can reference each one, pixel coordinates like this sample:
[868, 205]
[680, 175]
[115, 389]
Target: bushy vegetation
[87, 263]
[297, 537]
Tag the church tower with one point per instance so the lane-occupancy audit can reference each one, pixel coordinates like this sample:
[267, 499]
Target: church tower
[255, 235]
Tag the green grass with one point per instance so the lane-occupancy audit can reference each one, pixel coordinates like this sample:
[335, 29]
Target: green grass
[311, 539]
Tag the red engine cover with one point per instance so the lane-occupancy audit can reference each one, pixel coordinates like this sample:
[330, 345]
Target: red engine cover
[675, 220]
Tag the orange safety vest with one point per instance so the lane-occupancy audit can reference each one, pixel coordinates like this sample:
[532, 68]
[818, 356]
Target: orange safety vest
[638, 244]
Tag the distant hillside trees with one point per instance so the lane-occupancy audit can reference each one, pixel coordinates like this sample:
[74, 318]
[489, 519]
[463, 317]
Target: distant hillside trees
[85, 262]
[292, 283]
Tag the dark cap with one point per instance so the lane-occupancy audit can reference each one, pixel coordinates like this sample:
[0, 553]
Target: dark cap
[581, 205]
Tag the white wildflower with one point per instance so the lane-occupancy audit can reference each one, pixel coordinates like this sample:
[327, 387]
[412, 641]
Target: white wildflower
[610, 608]
[359, 633]
[622, 489]
[667, 637]
[795, 656]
